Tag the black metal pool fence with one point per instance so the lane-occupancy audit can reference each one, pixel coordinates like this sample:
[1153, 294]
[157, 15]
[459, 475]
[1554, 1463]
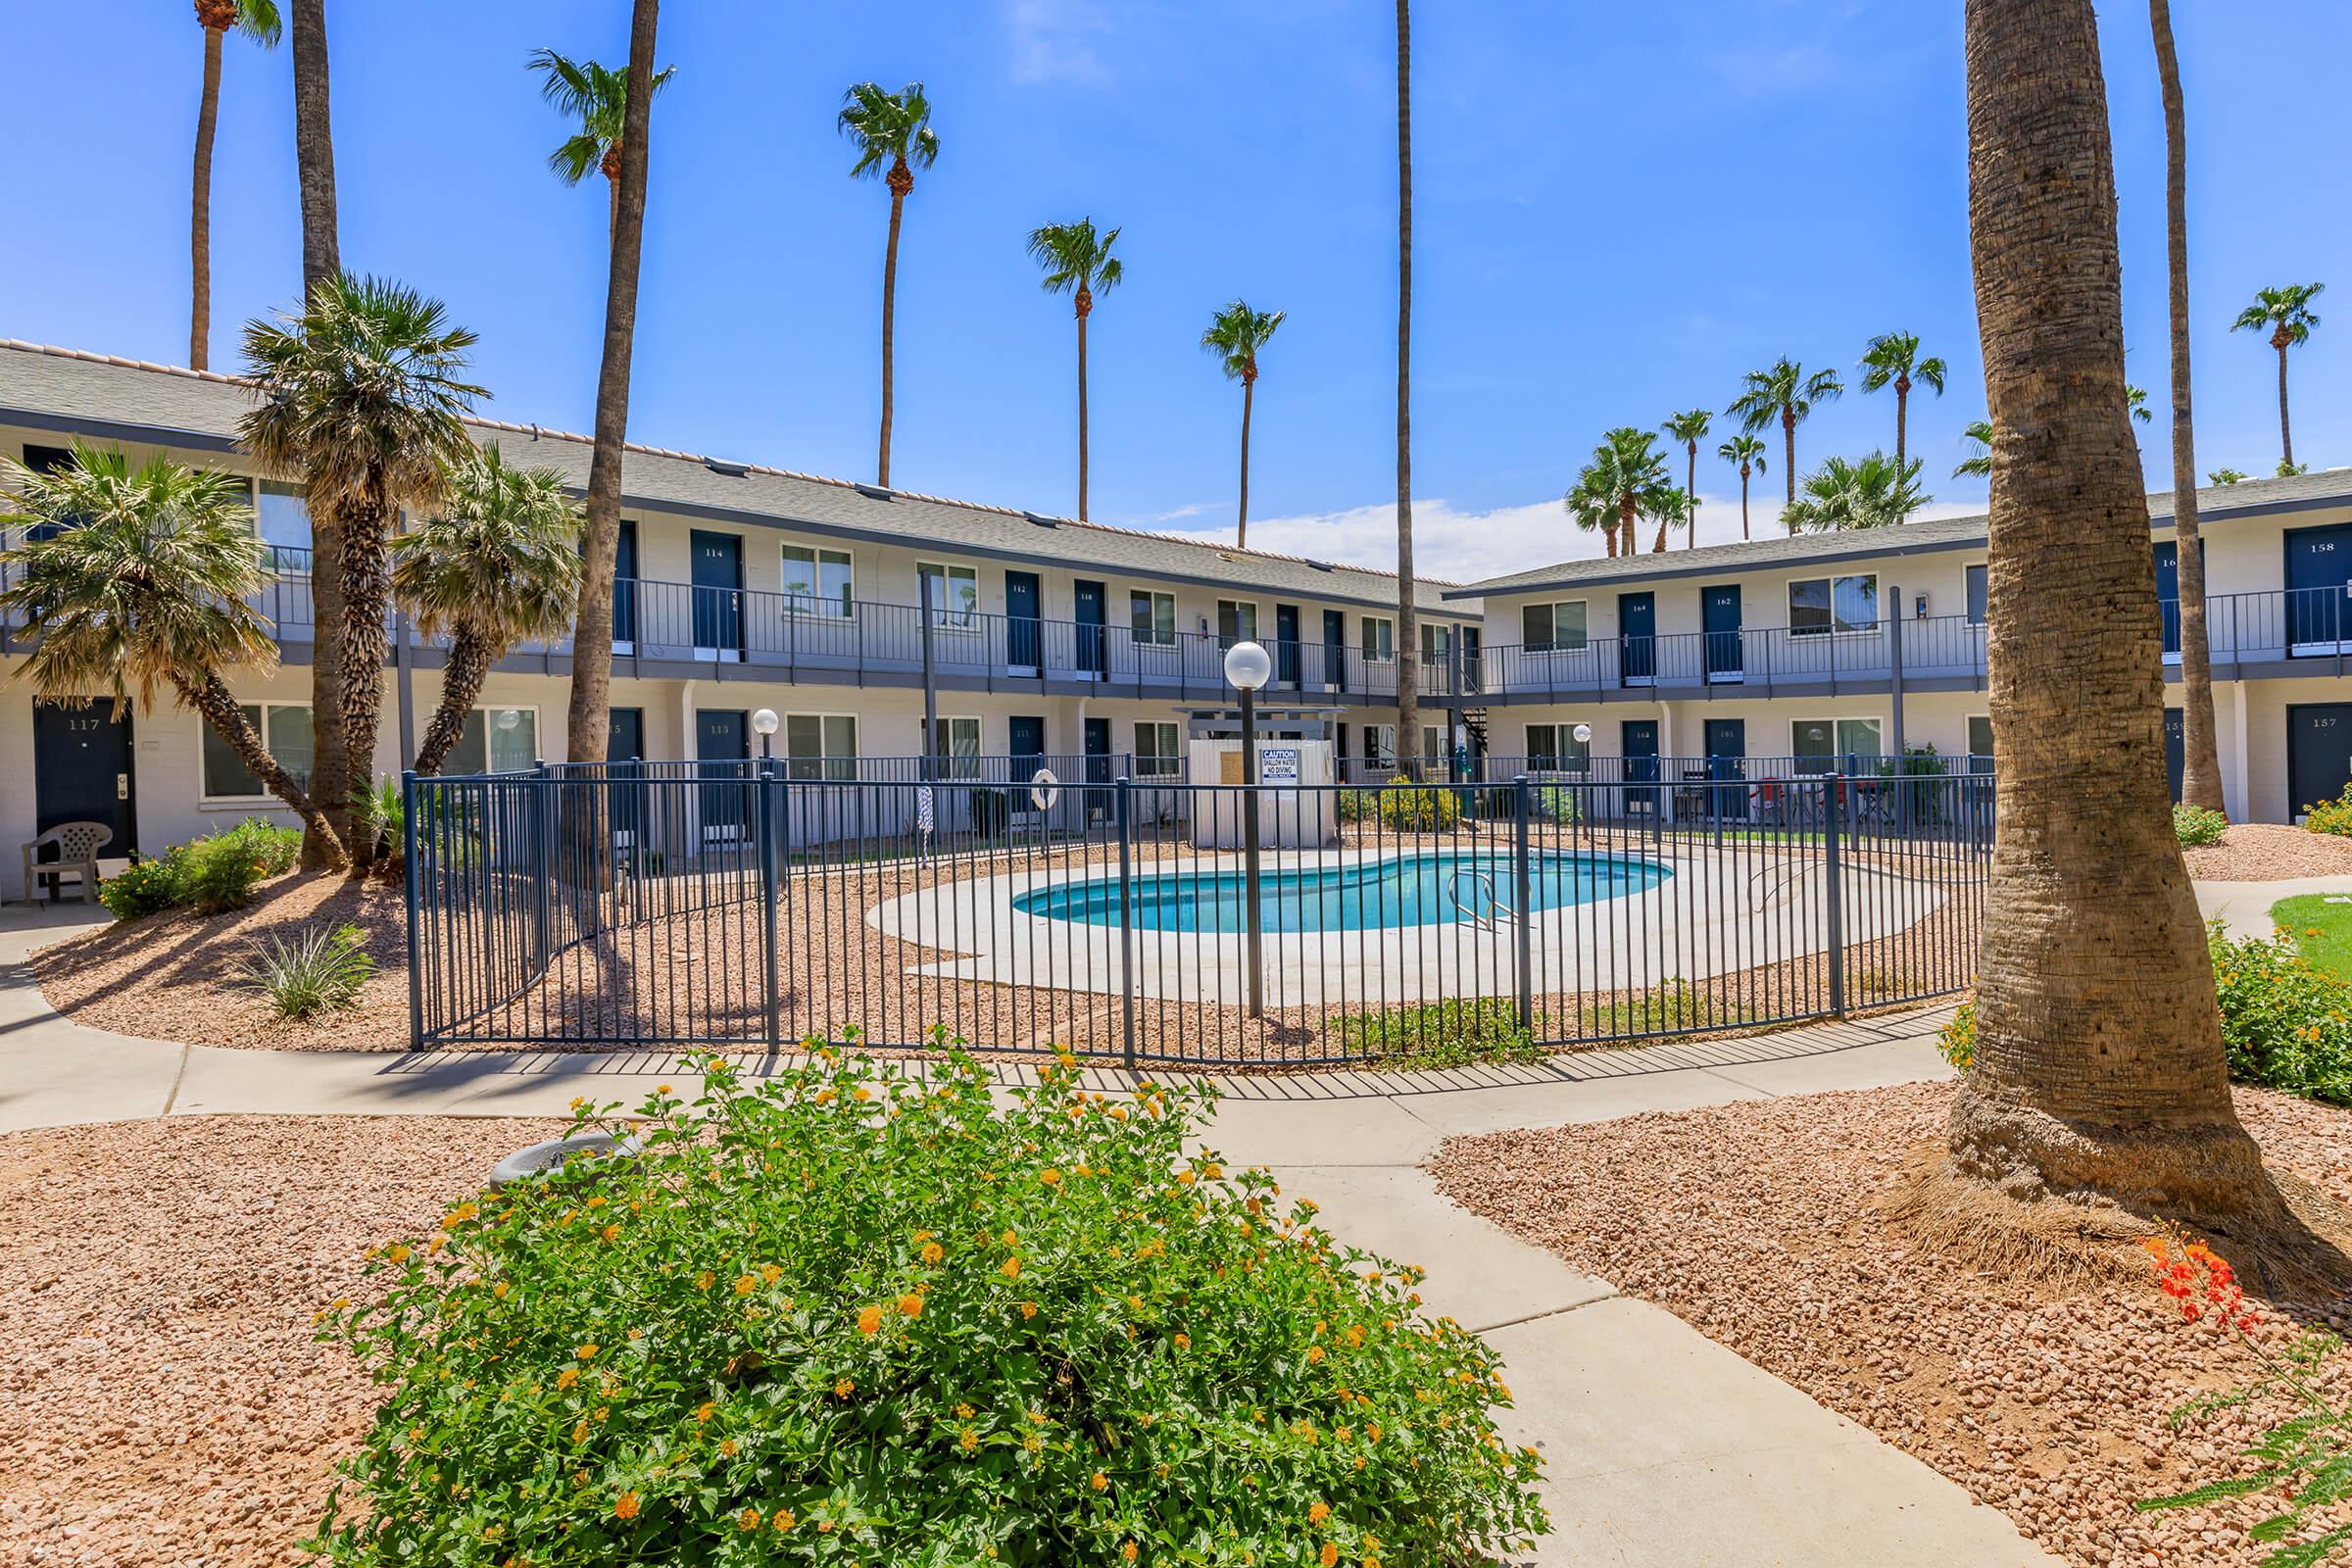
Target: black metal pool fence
[1099, 906]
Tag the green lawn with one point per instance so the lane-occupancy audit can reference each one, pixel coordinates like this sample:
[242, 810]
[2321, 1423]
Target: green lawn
[2321, 930]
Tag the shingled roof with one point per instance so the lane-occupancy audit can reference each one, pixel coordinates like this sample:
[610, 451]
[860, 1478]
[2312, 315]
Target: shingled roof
[132, 400]
[2216, 504]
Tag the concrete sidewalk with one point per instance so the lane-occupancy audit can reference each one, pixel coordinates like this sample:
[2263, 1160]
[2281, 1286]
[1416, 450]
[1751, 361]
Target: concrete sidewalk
[2244, 908]
[1663, 1450]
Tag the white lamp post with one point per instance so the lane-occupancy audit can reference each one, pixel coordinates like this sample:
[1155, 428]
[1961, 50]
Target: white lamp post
[763, 724]
[1248, 665]
[1584, 738]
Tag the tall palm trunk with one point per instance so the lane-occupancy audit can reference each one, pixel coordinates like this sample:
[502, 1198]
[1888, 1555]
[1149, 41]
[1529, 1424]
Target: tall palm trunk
[2286, 436]
[588, 719]
[321, 261]
[1408, 608]
[1788, 457]
[1743, 500]
[365, 525]
[1241, 534]
[2098, 1062]
[1625, 512]
[1903, 416]
[1690, 490]
[900, 181]
[2200, 749]
[470, 657]
[200, 206]
[219, 706]
[1084, 306]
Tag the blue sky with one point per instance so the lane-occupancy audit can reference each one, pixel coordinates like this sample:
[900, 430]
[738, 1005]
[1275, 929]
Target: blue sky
[1618, 210]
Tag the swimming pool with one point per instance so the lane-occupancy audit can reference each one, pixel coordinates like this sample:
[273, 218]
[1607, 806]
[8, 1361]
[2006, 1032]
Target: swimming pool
[1369, 894]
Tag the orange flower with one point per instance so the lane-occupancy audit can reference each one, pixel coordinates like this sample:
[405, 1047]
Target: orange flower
[728, 1448]
[843, 1388]
[869, 1320]
[783, 1520]
[1028, 1310]
[1049, 1176]
[969, 1440]
[624, 1507]
[1318, 1512]
[932, 1252]
[911, 1305]
[567, 1377]
[586, 1353]
[1314, 1354]
[1128, 1552]
[1012, 1271]
[1098, 1480]
[748, 1519]
[1331, 1554]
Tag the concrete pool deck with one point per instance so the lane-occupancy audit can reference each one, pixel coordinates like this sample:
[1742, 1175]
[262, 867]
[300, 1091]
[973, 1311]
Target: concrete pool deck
[1714, 913]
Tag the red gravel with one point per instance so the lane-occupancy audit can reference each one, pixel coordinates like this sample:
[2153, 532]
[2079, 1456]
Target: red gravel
[2266, 852]
[160, 1398]
[1755, 1223]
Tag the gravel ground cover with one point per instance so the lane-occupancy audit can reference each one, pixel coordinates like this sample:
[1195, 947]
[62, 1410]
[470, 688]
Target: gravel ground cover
[1756, 1223]
[2265, 851]
[161, 1399]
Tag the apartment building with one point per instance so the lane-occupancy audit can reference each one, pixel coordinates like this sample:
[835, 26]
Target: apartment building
[741, 587]
[1787, 654]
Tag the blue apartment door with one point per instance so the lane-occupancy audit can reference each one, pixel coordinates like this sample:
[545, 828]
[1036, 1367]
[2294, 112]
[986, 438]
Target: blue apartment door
[81, 772]
[624, 586]
[2318, 754]
[1719, 620]
[723, 736]
[1637, 741]
[1092, 601]
[1334, 650]
[1727, 767]
[624, 759]
[2319, 590]
[1023, 636]
[717, 592]
[1286, 645]
[2176, 748]
[1637, 625]
[1025, 738]
[2167, 603]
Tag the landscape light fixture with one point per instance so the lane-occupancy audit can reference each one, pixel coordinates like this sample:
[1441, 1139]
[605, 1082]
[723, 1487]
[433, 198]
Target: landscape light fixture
[1248, 665]
[764, 723]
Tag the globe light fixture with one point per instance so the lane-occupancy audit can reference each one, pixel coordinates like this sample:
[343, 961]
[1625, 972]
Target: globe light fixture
[1248, 665]
[763, 724]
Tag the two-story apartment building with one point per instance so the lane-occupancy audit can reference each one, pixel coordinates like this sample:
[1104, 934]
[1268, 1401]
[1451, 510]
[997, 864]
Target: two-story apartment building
[1782, 654]
[740, 587]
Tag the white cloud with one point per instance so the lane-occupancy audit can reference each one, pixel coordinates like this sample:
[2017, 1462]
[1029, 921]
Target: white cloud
[1465, 546]
[1053, 40]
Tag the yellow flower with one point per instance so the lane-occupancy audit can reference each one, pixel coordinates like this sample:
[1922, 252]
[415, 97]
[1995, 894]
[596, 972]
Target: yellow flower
[843, 1388]
[869, 1320]
[500, 1290]
[705, 1280]
[1011, 1270]
[1314, 1354]
[865, 1093]
[1098, 1480]
[728, 1448]
[1319, 1513]
[661, 1089]
[1028, 1310]
[586, 1353]
[748, 1520]
[578, 1101]
[911, 1305]
[1184, 1342]
[704, 1413]
[969, 1441]
[397, 1253]
[460, 1215]
[567, 1377]
[746, 1284]
[932, 1252]
[611, 1234]
[1049, 1176]
[624, 1507]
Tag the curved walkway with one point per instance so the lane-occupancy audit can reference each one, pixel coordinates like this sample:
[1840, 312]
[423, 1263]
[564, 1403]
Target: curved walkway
[1663, 1448]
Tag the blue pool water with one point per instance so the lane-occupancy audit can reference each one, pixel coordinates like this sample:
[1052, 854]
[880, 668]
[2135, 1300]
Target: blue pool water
[1438, 889]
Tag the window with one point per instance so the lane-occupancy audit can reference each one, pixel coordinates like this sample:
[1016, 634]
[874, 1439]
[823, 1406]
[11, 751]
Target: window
[495, 740]
[281, 519]
[1979, 743]
[1380, 744]
[1153, 617]
[955, 592]
[1976, 596]
[1822, 745]
[1156, 750]
[1433, 750]
[822, 745]
[1237, 620]
[1821, 605]
[818, 582]
[1437, 643]
[1554, 748]
[284, 729]
[958, 741]
[1380, 639]
[1554, 628]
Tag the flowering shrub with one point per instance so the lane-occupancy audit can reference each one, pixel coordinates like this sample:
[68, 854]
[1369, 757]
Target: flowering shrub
[2286, 1023]
[2195, 827]
[855, 1315]
[143, 887]
[2330, 816]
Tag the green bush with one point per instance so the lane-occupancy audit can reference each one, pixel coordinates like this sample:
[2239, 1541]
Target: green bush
[1418, 807]
[1674, 1005]
[848, 1314]
[379, 814]
[2286, 1023]
[144, 886]
[221, 870]
[308, 974]
[2330, 816]
[1440, 1034]
[2195, 827]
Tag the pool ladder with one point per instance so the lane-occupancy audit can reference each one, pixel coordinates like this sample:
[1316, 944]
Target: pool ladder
[1485, 922]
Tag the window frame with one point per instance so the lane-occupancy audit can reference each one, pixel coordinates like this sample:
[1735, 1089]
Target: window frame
[486, 709]
[1164, 764]
[1388, 625]
[1967, 598]
[1980, 762]
[947, 754]
[1569, 754]
[1831, 581]
[259, 717]
[1837, 724]
[1228, 638]
[945, 617]
[1156, 638]
[815, 605]
[1552, 644]
[823, 770]
[1379, 753]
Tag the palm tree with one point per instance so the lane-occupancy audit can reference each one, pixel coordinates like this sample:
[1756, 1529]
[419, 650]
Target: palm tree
[1665, 507]
[1748, 453]
[313, 146]
[2200, 749]
[1977, 463]
[135, 579]
[498, 564]
[1408, 603]
[1875, 492]
[1592, 511]
[2136, 400]
[2286, 311]
[1690, 429]
[2227, 476]
[1892, 360]
[2098, 1071]
[1783, 391]
[1078, 262]
[1628, 475]
[360, 397]
[893, 132]
[588, 718]
[1235, 335]
[599, 99]
[257, 21]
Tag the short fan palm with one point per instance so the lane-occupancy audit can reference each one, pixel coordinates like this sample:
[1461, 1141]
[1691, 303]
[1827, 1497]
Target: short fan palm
[499, 564]
[135, 579]
[1626, 480]
[1874, 492]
